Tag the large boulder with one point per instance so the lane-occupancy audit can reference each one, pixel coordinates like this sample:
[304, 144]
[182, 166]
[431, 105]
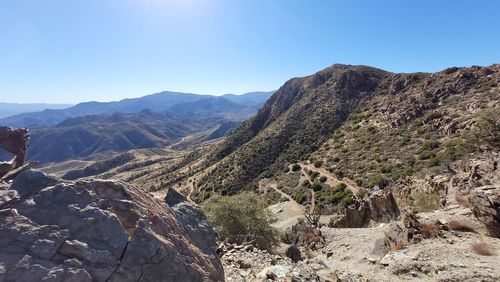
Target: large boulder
[95, 230]
[379, 206]
[485, 202]
[354, 215]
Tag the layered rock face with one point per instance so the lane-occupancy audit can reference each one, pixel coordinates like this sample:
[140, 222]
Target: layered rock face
[97, 230]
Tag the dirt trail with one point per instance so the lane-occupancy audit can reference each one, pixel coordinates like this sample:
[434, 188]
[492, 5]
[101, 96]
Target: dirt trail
[268, 183]
[332, 180]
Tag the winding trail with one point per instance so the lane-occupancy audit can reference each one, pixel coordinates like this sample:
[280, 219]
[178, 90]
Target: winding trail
[332, 180]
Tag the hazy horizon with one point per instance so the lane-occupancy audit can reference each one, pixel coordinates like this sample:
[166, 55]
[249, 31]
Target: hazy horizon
[116, 100]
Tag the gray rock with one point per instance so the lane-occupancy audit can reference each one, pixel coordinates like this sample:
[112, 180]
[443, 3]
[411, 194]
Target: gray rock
[100, 231]
[194, 222]
[486, 207]
[30, 180]
[379, 206]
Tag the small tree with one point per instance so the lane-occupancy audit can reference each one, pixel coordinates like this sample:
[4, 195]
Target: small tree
[241, 214]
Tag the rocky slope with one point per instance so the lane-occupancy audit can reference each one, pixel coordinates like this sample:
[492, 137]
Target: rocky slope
[366, 125]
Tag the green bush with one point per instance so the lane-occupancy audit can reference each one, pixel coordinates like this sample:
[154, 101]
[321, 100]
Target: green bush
[314, 174]
[425, 155]
[316, 186]
[430, 145]
[378, 180]
[318, 163]
[296, 167]
[299, 197]
[241, 214]
[322, 179]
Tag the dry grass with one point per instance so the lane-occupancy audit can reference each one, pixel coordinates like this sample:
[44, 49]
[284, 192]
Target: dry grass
[460, 226]
[399, 245]
[463, 201]
[482, 248]
[429, 230]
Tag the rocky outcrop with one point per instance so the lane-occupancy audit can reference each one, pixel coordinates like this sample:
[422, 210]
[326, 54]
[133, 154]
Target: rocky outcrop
[398, 236]
[485, 202]
[379, 206]
[14, 141]
[95, 230]
[193, 221]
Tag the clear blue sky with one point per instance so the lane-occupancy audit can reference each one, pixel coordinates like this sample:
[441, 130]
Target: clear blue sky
[71, 51]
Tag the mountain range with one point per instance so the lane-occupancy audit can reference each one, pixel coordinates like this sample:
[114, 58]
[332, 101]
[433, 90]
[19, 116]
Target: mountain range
[10, 109]
[174, 103]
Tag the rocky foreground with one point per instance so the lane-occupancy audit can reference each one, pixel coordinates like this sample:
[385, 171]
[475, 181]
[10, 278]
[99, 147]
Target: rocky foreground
[378, 239]
[94, 230]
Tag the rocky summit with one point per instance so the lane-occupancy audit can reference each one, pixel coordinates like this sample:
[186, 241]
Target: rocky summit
[96, 230]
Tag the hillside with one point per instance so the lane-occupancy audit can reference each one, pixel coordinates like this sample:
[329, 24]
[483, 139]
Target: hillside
[368, 126]
[172, 103]
[81, 137]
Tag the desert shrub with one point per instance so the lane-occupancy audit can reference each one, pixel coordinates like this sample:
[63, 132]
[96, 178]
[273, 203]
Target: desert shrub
[488, 128]
[339, 173]
[313, 174]
[335, 159]
[306, 183]
[322, 179]
[430, 145]
[362, 192]
[385, 168]
[460, 226]
[428, 230]
[456, 149]
[338, 195]
[296, 167]
[425, 155]
[299, 197]
[433, 162]
[318, 163]
[371, 129]
[482, 248]
[377, 180]
[241, 214]
[317, 186]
